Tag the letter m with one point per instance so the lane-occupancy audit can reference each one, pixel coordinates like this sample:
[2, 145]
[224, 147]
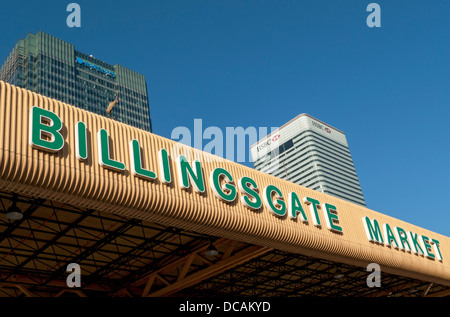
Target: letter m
[373, 230]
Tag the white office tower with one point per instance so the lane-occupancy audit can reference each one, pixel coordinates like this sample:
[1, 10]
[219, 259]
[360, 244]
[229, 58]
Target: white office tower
[311, 153]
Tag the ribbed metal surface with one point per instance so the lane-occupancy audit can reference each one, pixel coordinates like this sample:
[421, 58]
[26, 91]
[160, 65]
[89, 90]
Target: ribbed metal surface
[62, 177]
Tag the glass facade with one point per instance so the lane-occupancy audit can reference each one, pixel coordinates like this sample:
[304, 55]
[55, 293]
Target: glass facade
[312, 154]
[51, 67]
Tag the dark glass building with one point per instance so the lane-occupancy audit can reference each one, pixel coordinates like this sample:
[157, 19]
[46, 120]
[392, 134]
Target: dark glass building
[53, 68]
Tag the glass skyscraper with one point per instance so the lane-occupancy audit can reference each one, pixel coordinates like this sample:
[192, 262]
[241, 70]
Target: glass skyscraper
[52, 67]
[311, 153]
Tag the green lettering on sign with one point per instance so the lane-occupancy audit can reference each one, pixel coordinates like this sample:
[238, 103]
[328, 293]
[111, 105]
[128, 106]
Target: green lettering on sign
[103, 152]
[313, 205]
[413, 239]
[389, 235]
[186, 173]
[427, 245]
[373, 231]
[250, 198]
[295, 207]
[80, 141]
[331, 217]
[279, 211]
[164, 167]
[437, 250]
[44, 128]
[136, 162]
[403, 238]
[227, 192]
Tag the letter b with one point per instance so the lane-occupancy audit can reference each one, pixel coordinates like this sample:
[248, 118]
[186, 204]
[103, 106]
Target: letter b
[44, 130]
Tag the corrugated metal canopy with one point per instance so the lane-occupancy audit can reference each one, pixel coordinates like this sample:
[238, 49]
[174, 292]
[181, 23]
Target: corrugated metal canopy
[122, 256]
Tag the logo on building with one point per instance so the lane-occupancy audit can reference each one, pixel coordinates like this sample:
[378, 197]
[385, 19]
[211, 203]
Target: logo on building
[321, 127]
[267, 142]
[95, 67]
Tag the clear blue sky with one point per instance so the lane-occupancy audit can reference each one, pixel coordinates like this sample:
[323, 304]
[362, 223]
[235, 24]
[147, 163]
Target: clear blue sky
[260, 63]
